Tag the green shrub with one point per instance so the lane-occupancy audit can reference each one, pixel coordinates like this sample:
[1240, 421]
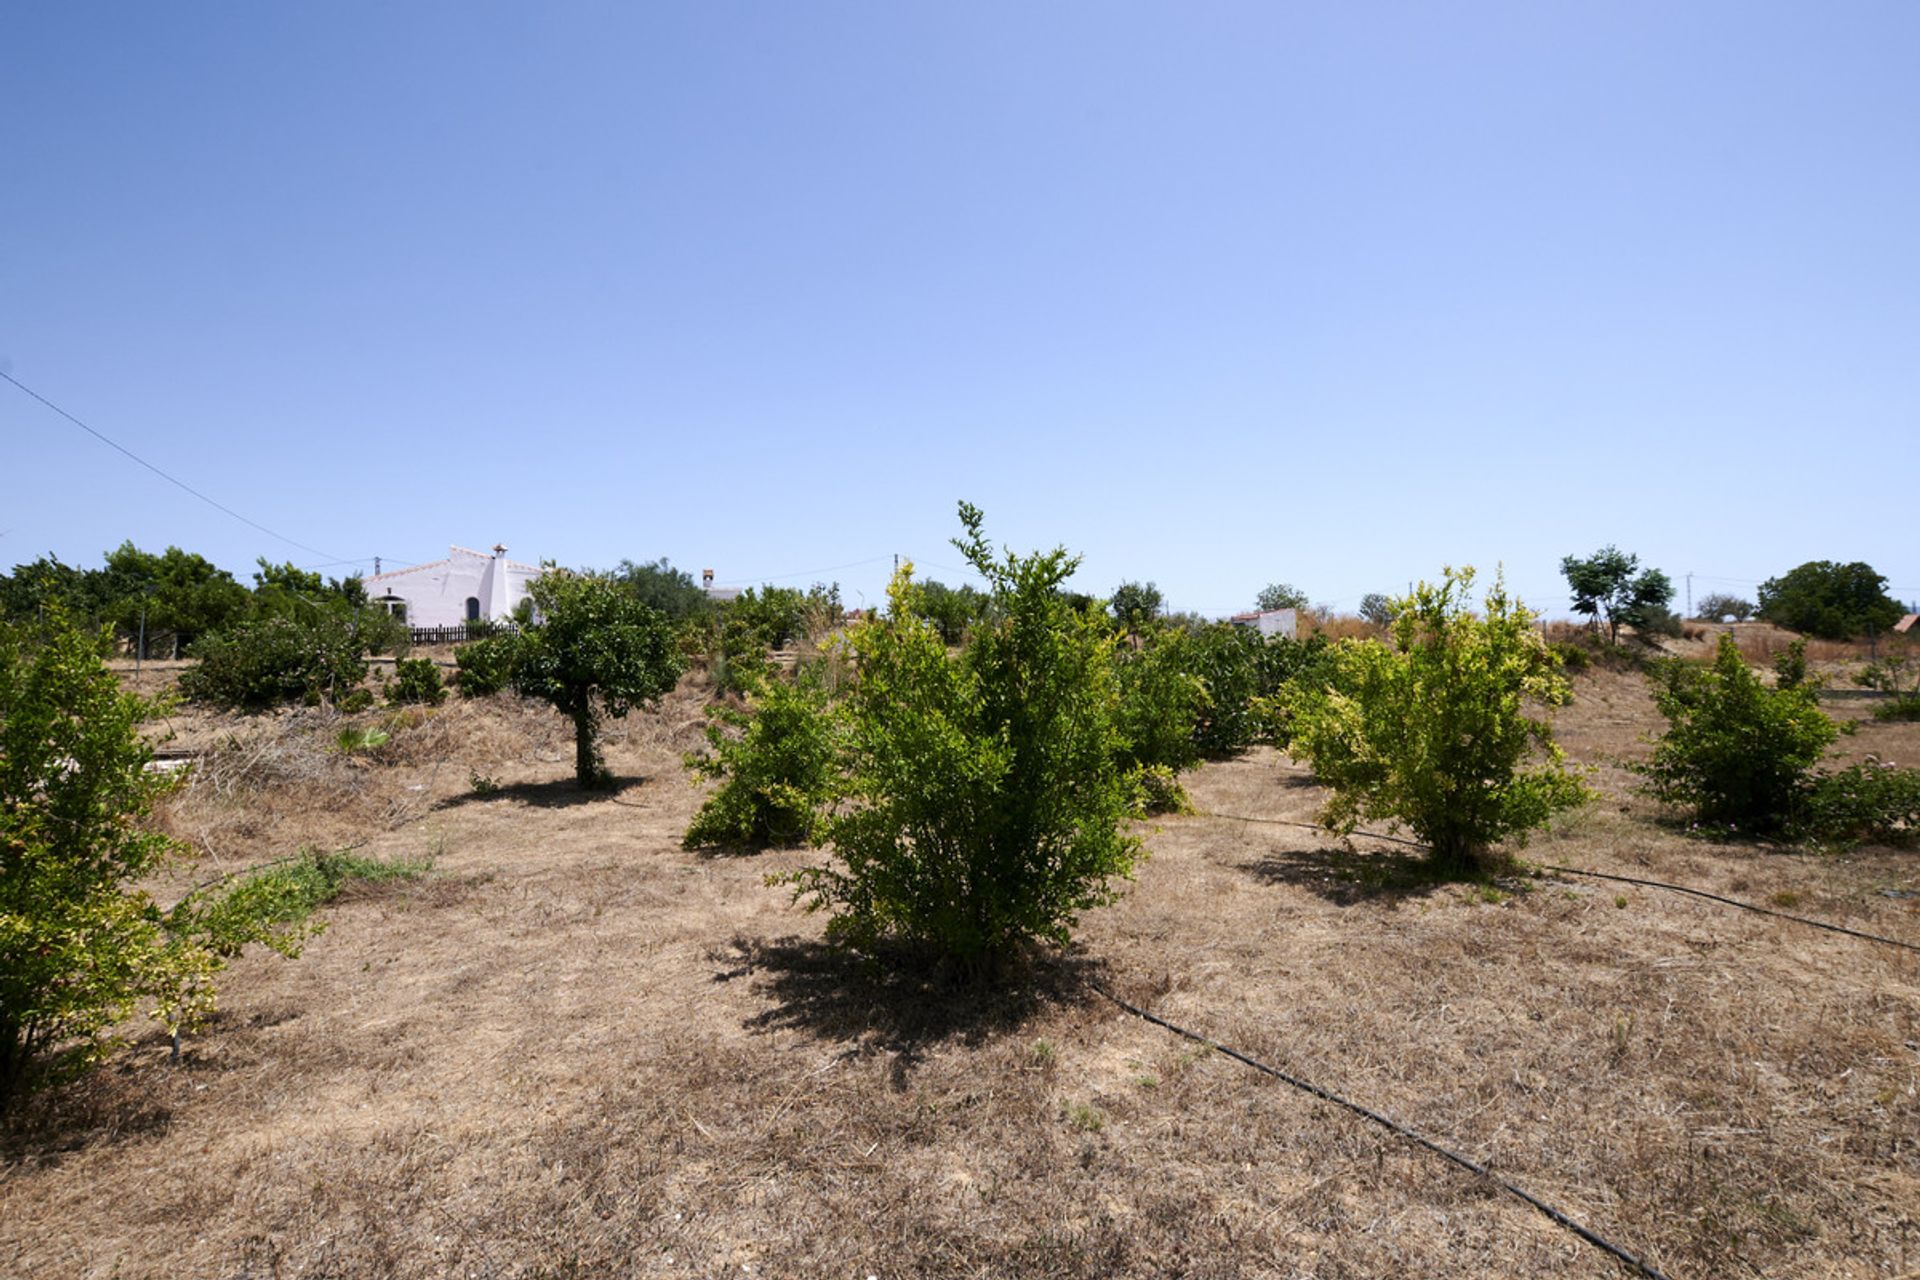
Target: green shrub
[1161, 701]
[987, 804]
[265, 662]
[1790, 668]
[1868, 801]
[485, 667]
[777, 763]
[416, 680]
[1904, 707]
[1226, 658]
[1738, 754]
[81, 944]
[1432, 731]
[1157, 789]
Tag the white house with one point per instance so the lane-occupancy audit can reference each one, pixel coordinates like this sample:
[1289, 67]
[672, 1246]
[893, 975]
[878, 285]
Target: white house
[1269, 623]
[465, 587]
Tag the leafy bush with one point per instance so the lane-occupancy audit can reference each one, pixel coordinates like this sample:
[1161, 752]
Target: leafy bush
[1227, 660]
[1829, 600]
[1740, 755]
[1904, 707]
[1161, 702]
[1432, 731]
[416, 680]
[987, 801]
[1280, 595]
[778, 766]
[1868, 801]
[485, 667]
[1790, 668]
[81, 945]
[1157, 789]
[265, 662]
[1896, 673]
[1719, 606]
[672, 591]
[596, 649]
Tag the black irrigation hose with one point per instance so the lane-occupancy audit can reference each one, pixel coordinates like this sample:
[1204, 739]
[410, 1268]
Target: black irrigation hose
[1470, 1165]
[1602, 875]
[1744, 906]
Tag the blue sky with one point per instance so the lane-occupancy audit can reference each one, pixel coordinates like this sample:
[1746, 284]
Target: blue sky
[1215, 294]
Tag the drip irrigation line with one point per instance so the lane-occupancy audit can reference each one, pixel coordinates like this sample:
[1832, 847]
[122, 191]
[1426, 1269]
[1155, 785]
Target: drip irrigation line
[1602, 875]
[1744, 906]
[1465, 1162]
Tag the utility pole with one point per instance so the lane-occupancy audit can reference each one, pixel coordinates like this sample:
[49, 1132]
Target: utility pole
[1689, 593]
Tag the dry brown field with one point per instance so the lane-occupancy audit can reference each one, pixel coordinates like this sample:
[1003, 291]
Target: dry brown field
[576, 1050]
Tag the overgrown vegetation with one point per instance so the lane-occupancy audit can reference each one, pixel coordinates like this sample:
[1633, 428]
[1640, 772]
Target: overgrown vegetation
[264, 662]
[1432, 731]
[1742, 757]
[1720, 607]
[987, 798]
[777, 763]
[82, 944]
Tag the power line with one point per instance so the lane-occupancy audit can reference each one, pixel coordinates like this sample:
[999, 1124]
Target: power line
[174, 480]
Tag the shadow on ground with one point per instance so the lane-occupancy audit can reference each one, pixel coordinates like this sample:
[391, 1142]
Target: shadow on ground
[106, 1107]
[1345, 878]
[556, 793]
[901, 1004]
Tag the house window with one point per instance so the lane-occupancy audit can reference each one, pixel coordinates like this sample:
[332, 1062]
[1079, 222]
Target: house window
[473, 608]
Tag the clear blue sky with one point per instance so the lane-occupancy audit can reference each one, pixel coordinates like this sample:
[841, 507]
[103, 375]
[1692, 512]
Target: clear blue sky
[1215, 294]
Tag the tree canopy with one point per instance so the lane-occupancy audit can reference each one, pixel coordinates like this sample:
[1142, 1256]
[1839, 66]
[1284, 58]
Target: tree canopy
[1829, 600]
[1610, 586]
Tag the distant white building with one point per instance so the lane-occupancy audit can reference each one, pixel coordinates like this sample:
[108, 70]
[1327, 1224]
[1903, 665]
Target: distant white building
[1269, 623]
[468, 586]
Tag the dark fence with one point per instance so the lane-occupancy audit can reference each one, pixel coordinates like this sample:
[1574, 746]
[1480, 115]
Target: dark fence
[461, 632]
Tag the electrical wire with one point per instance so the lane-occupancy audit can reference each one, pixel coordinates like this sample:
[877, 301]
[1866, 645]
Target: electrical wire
[170, 479]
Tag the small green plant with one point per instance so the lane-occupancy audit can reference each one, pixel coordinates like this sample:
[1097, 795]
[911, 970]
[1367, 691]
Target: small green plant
[1432, 731]
[1620, 901]
[485, 667]
[483, 784]
[1790, 668]
[778, 766]
[354, 739]
[1904, 707]
[416, 680]
[1157, 790]
[1871, 800]
[1043, 1053]
[1085, 1118]
[986, 798]
[1738, 754]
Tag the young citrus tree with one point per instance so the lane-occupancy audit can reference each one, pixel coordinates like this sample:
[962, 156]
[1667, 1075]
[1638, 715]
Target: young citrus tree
[1431, 730]
[988, 797]
[595, 648]
[778, 766]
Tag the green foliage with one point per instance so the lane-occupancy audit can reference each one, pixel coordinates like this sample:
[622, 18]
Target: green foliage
[1719, 606]
[1904, 707]
[79, 944]
[987, 799]
[659, 585]
[1377, 608]
[1226, 658]
[185, 596]
[595, 650]
[1157, 789]
[1740, 755]
[1895, 673]
[1608, 586]
[31, 590]
[1136, 606]
[778, 766]
[953, 611]
[1280, 595]
[1790, 668]
[1432, 731]
[1161, 703]
[354, 739]
[1872, 800]
[264, 662]
[1829, 600]
[416, 680]
[485, 667]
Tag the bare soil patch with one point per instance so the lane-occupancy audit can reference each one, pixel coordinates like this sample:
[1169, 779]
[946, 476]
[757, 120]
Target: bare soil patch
[578, 1050]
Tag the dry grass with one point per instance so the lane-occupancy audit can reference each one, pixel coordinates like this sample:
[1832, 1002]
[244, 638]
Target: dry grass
[579, 1051]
